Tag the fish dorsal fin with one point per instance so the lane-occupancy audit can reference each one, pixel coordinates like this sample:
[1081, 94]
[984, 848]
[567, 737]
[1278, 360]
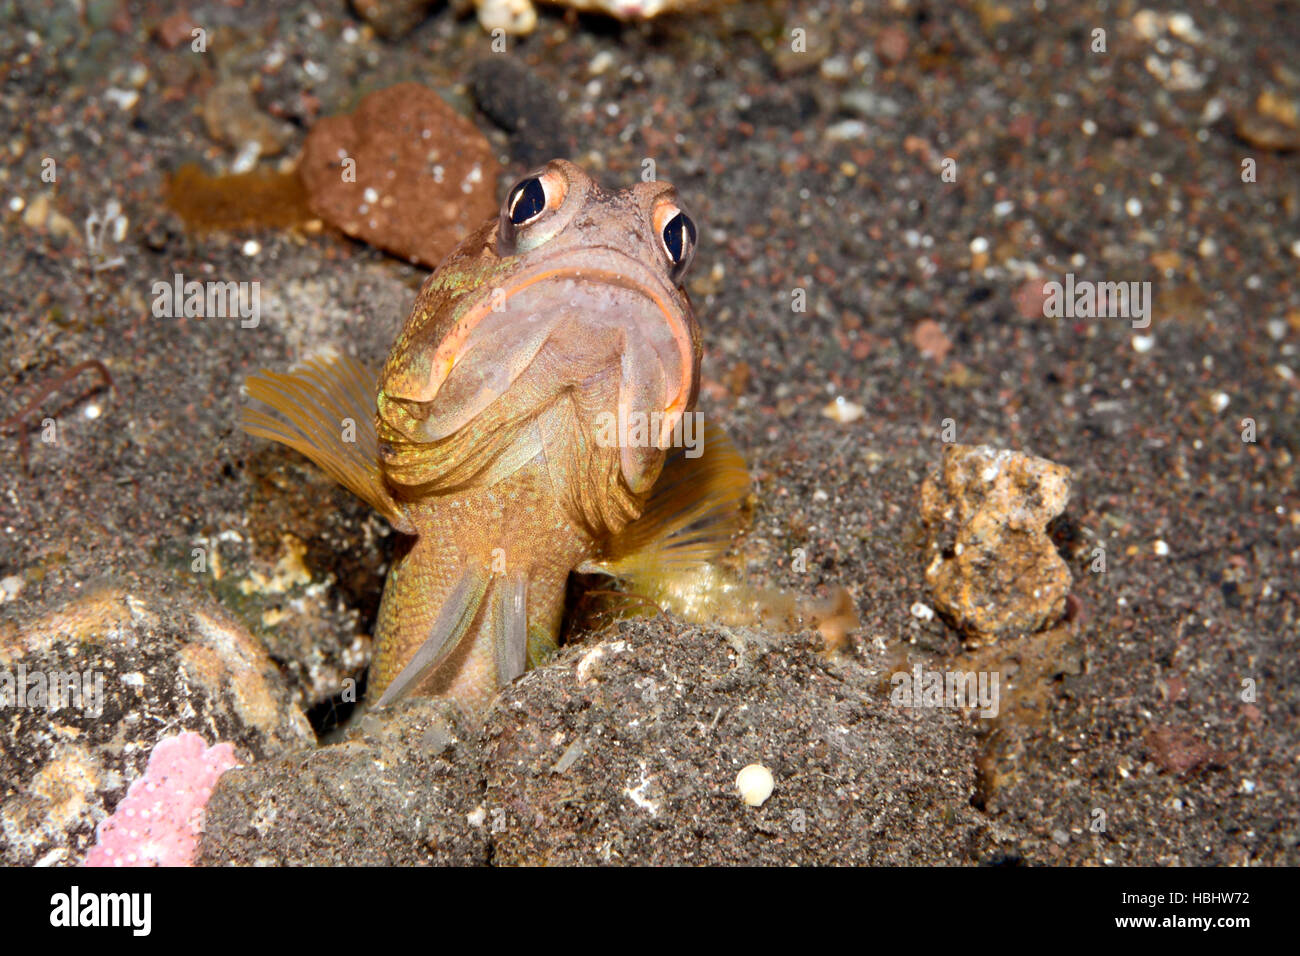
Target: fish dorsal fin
[325, 409]
[693, 513]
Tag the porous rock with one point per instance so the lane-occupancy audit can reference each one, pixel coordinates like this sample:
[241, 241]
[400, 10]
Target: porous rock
[403, 789]
[628, 752]
[994, 571]
[165, 663]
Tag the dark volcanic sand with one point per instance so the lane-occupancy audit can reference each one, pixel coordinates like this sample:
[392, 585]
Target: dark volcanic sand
[819, 171]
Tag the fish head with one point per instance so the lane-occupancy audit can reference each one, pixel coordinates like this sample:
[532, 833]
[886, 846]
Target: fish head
[568, 285]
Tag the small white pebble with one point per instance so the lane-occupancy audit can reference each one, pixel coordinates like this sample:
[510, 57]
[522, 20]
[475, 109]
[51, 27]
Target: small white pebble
[10, 588]
[1133, 207]
[370, 195]
[1182, 26]
[17, 204]
[1143, 343]
[122, 99]
[1160, 548]
[1219, 400]
[922, 612]
[979, 245]
[1089, 127]
[251, 248]
[755, 784]
[1295, 248]
[1213, 110]
[92, 412]
[843, 411]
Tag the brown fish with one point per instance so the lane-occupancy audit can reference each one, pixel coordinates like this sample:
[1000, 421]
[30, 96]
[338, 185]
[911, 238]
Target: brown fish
[520, 430]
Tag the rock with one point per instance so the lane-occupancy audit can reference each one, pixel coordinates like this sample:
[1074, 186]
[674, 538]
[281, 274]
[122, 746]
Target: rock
[392, 19]
[930, 340]
[519, 17]
[404, 789]
[1273, 123]
[869, 104]
[1030, 299]
[175, 29]
[636, 760]
[801, 48]
[233, 118]
[625, 751]
[843, 411]
[136, 666]
[994, 571]
[404, 172]
[516, 17]
[517, 100]
[1178, 751]
[891, 45]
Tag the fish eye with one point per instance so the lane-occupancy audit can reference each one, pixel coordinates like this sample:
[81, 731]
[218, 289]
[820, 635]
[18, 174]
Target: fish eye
[531, 200]
[677, 235]
[526, 201]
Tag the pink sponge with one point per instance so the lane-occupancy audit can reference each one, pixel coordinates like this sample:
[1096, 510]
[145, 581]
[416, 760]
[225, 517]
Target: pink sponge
[159, 821]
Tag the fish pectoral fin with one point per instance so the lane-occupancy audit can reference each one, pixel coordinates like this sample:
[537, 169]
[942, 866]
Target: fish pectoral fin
[670, 555]
[510, 628]
[326, 410]
[451, 625]
[694, 511]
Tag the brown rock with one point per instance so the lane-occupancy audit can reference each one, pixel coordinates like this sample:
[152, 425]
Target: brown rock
[175, 30]
[891, 45]
[1273, 123]
[1030, 298]
[1177, 750]
[422, 177]
[1258, 130]
[994, 571]
[930, 340]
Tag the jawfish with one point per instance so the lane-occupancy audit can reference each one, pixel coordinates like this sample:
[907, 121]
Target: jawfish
[527, 424]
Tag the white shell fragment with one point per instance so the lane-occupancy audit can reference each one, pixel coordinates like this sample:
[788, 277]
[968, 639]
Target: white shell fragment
[755, 784]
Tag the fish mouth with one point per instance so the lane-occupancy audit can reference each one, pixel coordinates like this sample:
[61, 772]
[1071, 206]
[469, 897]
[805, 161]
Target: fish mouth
[598, 268]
